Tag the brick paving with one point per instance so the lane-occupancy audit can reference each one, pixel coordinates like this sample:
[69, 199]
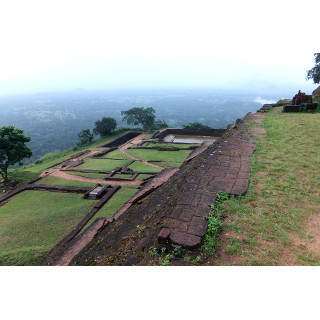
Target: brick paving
[226, 169]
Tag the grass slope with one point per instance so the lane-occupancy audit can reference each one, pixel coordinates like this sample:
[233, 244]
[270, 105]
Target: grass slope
[101, 164]
[63, 182]
[116, 202]
[88, 175]
[174, 156]
[32, 222]
[116, 154]
[142, 167]
[271, 224]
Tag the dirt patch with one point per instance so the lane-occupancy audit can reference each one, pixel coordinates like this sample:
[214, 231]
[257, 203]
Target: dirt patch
[311, 242]
[259, 183]
[288, 258]
[224, 258]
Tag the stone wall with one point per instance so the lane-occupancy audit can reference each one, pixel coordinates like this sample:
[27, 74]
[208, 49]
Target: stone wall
[191, 132]
[121, 140]
[299, 108]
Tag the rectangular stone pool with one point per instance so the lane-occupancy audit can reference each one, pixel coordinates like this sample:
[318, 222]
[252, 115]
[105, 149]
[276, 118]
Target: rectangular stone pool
[192, 139]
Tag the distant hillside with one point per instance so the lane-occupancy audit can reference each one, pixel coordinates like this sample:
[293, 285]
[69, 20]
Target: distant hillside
[53, 120]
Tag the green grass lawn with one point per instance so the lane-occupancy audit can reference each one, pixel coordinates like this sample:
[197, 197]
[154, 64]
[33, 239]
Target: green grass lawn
[47, 162]
[88, 174]
[148, 136]
[174, 156]
[142, 167]
[284, 195]
[101, 164]
[63, 182]
[33, 222]
[22, 175]
[116, 154]
[116, 202]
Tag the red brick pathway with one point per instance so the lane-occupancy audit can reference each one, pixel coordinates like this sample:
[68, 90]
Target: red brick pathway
[226, 169]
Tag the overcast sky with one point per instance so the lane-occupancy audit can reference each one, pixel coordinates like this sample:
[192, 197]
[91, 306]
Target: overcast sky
[62, 45]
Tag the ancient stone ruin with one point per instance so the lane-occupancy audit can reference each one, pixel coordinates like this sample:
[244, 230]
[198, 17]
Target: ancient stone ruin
[301, 102]
[301, 98]
[265, 108]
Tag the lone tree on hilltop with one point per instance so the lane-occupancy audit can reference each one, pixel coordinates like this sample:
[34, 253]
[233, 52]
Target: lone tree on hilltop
[314, 73]
[85, 137]
[105, 126]
[12, 149]
[144, 116]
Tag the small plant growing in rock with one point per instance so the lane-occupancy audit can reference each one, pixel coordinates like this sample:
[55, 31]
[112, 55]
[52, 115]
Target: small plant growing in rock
[215, 224]
[197, 260]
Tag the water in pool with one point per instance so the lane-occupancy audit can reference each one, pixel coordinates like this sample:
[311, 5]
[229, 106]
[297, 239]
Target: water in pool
[192, 139]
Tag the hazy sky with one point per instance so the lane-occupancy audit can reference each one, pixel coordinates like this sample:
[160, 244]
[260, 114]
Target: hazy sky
[61, 45]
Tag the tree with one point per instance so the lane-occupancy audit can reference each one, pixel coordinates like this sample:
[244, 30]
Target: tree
[144, 116]
[195, 125]
[160, 124]
[105, 126]
[314, 73]
[12, 149]
[85, 137]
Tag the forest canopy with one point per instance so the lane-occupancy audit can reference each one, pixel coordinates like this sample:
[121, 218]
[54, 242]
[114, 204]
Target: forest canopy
[54, 120]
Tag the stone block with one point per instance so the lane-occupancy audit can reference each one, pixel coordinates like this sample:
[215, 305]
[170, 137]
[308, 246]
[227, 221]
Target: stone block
[239, 190]
[187, 214]
[235, 164]
[196, 199]
[203, 211]
[183, 226]
[233, 170]
[208, 198]
[185, 199]
[198, 226]
[205, 180]
[171, 223]
[164, 235]
[187, 241]
[242, 181]
[190, 187]
[224, 164]
[243, 175]
[176, 213]
[195, 178]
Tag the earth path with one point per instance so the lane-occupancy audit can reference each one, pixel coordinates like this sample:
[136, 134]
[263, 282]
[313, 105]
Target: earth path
[63, 175]
[128, 144]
